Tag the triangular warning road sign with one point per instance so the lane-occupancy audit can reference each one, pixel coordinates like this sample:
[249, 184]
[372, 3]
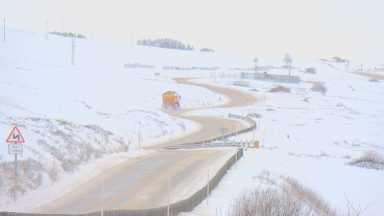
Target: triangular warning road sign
[15, 136]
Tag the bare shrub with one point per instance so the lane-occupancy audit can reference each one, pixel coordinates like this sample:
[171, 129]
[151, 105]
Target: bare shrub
[338, 59]
[280, 88]
[287, 198]
[309, 197]
[241, 83]
[319, 87]
[53, 174]
[267, 202]
[266, 178]
[310, 70]
[373, 80]
[29, 176]
[369, 160]
[68, 165]
[123, 145]
[65, 122]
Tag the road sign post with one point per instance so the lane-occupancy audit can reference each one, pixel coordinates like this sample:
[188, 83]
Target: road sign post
[15, 149]
[208, 188]
[256, 60]
[224, 131]
[15, 140]
[4, 30]
[169, 195]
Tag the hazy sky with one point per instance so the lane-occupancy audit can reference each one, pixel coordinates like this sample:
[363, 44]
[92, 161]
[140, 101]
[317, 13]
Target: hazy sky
[314, 28]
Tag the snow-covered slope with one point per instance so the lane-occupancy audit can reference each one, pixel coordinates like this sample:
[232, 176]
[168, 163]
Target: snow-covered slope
[313, 137]
[64, 110]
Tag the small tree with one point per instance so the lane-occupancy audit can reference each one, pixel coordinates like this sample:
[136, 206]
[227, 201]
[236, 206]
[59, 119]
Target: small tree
[288, 62]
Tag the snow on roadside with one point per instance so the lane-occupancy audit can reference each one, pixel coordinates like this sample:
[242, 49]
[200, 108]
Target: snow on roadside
[311, 137]
[63, 111]
[202, 177]
[304, 134]
[68, 181]
[361, 186]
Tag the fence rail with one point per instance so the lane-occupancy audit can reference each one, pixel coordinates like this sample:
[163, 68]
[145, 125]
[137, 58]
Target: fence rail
[211, 142]
[185, 205]
[271, 77]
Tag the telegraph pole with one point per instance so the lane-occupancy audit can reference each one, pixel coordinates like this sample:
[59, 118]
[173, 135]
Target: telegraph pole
[208, 188]
[63, 25]
[253, 134]
[139, 139]
[169, 195]
[4, 29]
[73, 51]
[46, 33]
[256, 60]
[102, 173]
[103, 191]
[53, 170]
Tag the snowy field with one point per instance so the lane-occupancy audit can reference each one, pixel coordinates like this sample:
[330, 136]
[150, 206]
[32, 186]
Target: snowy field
[63, 111]
[312, 137]
[305, 134]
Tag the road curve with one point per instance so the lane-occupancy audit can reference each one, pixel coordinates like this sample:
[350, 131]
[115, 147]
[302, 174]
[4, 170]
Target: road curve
[142, 182]
[210, 125]
[137, 183]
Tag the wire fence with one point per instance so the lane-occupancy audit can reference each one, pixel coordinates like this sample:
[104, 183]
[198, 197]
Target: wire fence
[212, 143]
[271, 77]
[185, 205]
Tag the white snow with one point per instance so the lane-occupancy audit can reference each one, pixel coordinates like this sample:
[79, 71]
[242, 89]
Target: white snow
[304, 134]
[62, 109]
[311, 137]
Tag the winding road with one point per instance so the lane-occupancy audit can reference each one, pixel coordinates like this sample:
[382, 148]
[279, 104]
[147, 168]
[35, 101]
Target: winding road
[210, 125]
[143, 182]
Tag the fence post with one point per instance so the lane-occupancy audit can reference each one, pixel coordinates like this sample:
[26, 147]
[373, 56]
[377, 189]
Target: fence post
[237, 150]
[208, 188]
[169, 194]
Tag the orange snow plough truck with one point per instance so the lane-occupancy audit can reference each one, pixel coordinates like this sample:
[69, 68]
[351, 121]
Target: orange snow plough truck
[171, 100]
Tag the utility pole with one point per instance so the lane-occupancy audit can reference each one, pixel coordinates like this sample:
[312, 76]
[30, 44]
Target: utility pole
[256, 60]
[73, 51]
[169, 195]
[264, 138]
[46, 31]
[53, 170]
[102, 173]
[237, 149]
[208, 188]
[253, 134]
[103, 191]
[4, 29]
[139, 139]
[346, 64]
[290, 66]
[288, 61]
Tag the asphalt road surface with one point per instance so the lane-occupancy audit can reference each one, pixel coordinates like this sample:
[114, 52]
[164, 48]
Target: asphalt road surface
[143, 182]
[210, 125]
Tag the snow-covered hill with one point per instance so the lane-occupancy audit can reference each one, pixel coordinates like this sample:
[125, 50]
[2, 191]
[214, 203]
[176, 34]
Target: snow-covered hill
[64, 110]
[114, 91]
[329, 139]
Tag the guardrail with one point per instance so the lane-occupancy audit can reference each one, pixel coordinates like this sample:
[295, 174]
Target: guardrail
[271, 77]
[185, 205]
[210, 143]
[207, 145]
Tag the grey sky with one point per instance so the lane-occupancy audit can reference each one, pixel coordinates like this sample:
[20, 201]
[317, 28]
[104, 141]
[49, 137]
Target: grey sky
[312, 28]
